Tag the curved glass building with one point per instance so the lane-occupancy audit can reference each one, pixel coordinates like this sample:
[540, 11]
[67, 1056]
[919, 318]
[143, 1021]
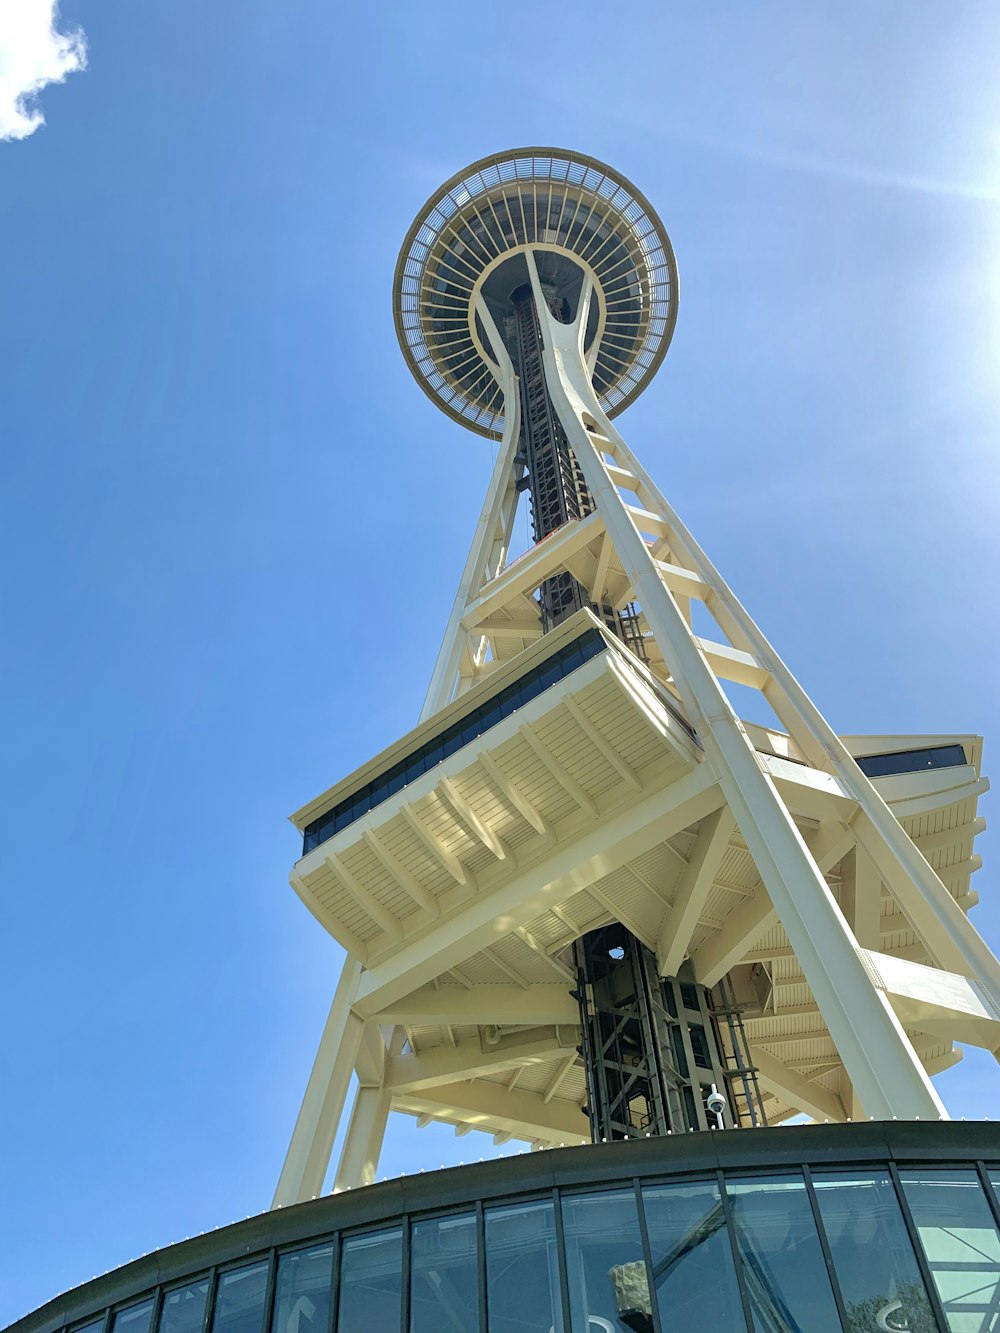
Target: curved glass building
[817, 1229]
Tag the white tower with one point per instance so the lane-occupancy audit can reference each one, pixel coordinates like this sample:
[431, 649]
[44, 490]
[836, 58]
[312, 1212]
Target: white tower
[582, 892]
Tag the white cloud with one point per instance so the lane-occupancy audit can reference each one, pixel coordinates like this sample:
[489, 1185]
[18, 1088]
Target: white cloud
[32, 55]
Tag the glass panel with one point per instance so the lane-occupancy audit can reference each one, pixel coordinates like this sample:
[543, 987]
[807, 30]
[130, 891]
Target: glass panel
[608, 1283]
[444, 1276]
[522, 1270]
[184, 1308]
[239, 1301]
[961, 1243]
[783, 1268]
[134, 1319]
[692, 1258]
[302, 1291]
[874, 1261]
[94, 1326]
[371, 1283]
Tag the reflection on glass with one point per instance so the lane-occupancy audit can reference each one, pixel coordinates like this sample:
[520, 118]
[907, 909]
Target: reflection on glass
[184, 1308]
[302, 1291]
[874, 1261]
[608, 1282]
[961, 1243]
[783, 1267]
[134, 1318]
[444, 1286]
[692, 1259]
[371, 1283]
[94, 1326]
[239, 1300]
[522, 1270]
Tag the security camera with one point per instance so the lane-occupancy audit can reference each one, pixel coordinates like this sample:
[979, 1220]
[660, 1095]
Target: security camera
[716, 1104]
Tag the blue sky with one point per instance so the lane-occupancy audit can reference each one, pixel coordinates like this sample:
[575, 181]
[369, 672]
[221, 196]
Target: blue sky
[233, 524]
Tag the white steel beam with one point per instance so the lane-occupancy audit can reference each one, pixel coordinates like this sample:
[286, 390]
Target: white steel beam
[369, 904]
[444, 1064]
[363, 1144]
[544, 1005]
[467, 816]
[692, 891]
[795, 1090]
[308, 1155]
[410, 885]
[508, 792]
[755, 917]
[489, 1107]
[435, 846]
[489, 543]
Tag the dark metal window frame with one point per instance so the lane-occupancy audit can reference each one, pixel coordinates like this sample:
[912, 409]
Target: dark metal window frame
[710, 1158]
[432, 752]
[895, 762]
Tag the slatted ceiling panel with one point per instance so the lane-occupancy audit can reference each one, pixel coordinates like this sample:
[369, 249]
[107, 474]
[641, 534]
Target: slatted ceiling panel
[384, 887]
[802, 1050]
[898, 939]
[518, 761]
[793, 993]
[452, 833]
[344, 909]
[526, 961]
[566, 741]
[478, 792]
[785, 969]
[773, 1027]
[633, 899]
[661, 867]
[321, 881]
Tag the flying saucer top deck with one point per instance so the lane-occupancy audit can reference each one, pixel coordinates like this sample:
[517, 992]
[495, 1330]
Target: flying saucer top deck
[578, 216]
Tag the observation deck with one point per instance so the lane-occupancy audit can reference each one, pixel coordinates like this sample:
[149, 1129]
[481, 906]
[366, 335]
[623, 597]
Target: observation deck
[579, 217]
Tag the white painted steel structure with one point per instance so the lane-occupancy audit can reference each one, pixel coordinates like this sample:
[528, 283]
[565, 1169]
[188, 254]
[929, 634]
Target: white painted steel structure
[626, 790]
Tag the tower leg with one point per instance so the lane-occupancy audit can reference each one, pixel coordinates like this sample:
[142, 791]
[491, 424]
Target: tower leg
[882, 1064]
[363, 1145]
[489, 543]
[309, 1152]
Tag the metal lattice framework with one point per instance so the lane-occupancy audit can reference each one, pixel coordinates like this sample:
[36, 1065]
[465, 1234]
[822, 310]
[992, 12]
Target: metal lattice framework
[555, 201]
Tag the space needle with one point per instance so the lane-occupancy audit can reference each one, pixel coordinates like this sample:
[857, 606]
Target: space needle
[588, 908]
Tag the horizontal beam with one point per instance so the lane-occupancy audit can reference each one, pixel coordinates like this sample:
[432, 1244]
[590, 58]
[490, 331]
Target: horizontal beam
[531, 569]
[472, 1059]
[793, 1089]
[493, 1109]
[501, 1005]
[683, 582]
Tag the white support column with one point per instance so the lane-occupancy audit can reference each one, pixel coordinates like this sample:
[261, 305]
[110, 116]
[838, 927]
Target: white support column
[309, 1152]
[491, 539]
[363, 1144]
[869, 1037]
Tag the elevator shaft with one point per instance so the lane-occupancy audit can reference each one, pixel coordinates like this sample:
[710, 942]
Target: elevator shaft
[558, 490]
